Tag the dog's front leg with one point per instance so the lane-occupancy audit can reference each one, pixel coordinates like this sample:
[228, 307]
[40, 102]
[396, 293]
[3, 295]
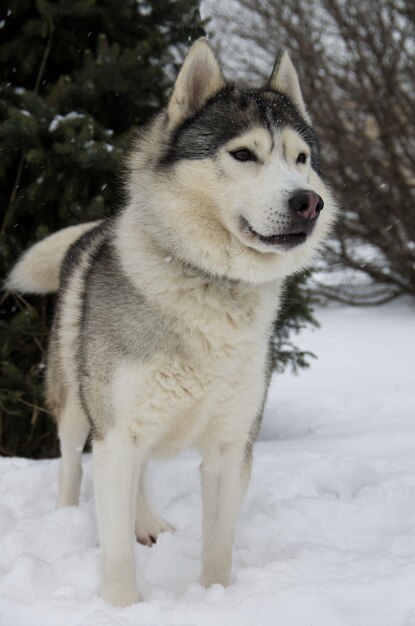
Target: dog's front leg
[116, 473]
[225, 473]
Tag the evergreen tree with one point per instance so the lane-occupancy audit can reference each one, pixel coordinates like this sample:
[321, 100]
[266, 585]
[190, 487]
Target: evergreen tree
[77, 77]
[296, 313]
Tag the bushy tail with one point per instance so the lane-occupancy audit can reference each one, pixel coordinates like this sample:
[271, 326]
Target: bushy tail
[38, 270]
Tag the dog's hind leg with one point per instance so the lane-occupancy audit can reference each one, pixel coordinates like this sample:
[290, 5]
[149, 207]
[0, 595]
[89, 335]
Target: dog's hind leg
[225, 473]
[148, 524]
[117, 462]
[73, 430]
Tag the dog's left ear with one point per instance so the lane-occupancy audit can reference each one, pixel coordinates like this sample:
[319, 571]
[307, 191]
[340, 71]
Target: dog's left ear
[198, 80]
[284, 79]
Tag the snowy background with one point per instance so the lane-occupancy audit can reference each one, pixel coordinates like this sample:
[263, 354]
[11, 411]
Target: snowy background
[327, 532]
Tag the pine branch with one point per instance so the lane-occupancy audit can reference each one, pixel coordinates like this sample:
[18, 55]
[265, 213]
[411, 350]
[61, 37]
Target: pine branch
[22, 156]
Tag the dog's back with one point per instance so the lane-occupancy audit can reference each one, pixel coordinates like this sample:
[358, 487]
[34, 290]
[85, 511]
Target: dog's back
[71, 267]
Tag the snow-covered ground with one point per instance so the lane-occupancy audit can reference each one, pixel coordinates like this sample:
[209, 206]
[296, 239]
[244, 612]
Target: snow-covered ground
[327, 533]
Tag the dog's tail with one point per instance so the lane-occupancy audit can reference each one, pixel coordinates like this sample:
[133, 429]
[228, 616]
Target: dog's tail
[38, 269]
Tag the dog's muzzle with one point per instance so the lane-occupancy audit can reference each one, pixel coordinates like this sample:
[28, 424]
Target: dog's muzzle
[304, 208]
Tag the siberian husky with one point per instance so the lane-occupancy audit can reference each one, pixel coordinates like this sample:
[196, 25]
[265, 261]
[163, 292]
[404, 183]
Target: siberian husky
[165, 313]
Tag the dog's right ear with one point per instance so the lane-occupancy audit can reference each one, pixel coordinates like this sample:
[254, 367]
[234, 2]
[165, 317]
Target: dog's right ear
[199, 79]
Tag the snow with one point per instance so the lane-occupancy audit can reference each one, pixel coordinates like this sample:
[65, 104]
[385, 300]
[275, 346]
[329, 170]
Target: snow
[327, 533]
[58, 119]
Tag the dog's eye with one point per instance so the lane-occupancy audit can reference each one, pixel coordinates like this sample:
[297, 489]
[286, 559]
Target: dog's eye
[243, 154]
[302, 158]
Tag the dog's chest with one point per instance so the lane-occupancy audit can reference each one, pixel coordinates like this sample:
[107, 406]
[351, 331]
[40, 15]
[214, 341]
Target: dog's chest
[170, 399]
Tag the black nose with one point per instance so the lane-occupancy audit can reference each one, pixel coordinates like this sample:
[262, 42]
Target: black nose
[306, 204]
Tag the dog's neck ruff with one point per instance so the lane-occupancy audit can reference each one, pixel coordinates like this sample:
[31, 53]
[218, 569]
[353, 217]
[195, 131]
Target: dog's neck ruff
[191, 269]
[144, 259]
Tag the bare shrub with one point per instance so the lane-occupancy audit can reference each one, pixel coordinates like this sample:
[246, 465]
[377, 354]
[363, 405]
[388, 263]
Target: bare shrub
[356, 62]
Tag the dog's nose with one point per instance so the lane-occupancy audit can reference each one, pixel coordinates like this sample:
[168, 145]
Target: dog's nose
[306, 204]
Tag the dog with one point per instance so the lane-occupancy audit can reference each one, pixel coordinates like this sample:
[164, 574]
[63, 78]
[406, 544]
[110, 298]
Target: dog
[165, 313]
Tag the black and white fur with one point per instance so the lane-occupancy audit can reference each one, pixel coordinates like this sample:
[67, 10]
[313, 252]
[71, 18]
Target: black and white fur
[164, 318]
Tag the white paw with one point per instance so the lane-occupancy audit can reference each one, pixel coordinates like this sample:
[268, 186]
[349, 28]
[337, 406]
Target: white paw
[120, 597]
[149, 526]
[120, 588]
[214, 574]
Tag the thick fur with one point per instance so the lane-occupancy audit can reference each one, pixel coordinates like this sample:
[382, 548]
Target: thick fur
[164, 319]
[39, 268]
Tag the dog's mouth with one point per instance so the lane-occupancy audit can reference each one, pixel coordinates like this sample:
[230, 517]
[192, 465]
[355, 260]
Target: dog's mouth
[284, 240]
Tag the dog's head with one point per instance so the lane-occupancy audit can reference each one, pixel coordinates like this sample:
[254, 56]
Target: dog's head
[239, 187]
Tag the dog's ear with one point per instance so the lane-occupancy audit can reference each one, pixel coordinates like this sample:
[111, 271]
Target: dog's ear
[198, 80]
[284, 79]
